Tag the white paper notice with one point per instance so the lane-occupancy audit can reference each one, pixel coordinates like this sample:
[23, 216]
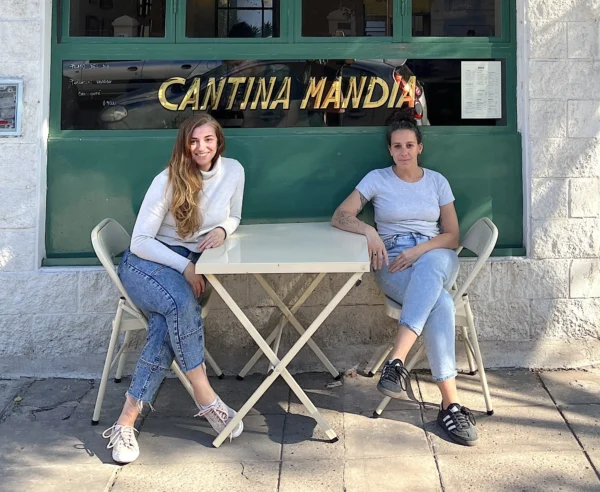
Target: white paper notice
[481, 89]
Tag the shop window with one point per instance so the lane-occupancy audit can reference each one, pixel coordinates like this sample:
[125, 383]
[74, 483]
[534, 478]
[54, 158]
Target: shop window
[122, 19]
[456, 18]
[347, 18]
[137, 94]
[232, 19]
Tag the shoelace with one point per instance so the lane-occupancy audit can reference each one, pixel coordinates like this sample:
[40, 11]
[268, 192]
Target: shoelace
[219, 412]
[391, 374]
[463, 418]
[125, 433]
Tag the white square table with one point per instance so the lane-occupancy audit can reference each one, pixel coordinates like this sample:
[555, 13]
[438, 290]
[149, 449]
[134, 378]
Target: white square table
[302, 248]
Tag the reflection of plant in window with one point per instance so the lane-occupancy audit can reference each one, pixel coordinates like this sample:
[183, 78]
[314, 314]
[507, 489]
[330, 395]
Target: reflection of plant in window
[267, 29]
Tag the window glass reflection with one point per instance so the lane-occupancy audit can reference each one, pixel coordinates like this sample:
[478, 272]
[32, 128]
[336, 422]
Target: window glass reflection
[118, 19]
[346, 18]
[232, 19]
[456, 18]
[141, 94]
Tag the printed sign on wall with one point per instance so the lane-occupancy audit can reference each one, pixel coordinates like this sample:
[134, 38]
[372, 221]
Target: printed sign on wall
[11, 103]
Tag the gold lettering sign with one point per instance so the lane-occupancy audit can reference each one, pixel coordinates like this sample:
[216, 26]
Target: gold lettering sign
[369, 103]
[163, 88]
[314, 90]
[211, 91]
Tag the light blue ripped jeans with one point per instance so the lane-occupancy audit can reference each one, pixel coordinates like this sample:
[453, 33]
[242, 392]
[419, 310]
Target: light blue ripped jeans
[175, 328]
[427, 307]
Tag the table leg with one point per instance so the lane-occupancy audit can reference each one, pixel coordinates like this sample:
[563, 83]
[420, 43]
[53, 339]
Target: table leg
[296, 324]
[282, 322]
[280, 366]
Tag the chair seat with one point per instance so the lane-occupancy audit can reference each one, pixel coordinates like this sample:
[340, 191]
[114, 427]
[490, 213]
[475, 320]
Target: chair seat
[394, 310]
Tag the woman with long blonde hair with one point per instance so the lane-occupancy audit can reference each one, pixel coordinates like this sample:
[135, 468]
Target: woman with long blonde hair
[193, 205]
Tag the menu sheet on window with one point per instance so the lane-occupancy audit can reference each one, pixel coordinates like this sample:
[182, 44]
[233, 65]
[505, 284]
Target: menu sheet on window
[481, 89]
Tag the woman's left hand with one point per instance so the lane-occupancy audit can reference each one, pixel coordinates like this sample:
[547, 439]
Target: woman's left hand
[405, 259]
[213, 239]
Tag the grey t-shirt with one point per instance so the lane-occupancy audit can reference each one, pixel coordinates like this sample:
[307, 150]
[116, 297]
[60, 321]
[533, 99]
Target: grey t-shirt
[406, 207]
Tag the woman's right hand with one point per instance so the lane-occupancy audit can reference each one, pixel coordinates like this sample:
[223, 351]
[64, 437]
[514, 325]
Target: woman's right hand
[194, 279]
[377, 252]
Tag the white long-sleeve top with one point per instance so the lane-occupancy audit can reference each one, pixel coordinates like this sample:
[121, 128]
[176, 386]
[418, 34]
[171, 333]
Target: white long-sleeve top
[220, 206]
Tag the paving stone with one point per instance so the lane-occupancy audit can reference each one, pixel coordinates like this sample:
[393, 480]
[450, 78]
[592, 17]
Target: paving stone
[51, 392]
[303, 438]
[9, 389]
[395, 433]
[64, 478]
[315, 387]
[585, 422]
[49, 400]
[174, 401]
[312, 475]
[528, 429]
[178, 440]
[236, 393]
[360, 396]
[112, 404]
[191, 477]
[573, 387]
[507, 388]
[518, 472]
[52, 443]
[595, 458]
[408, 473]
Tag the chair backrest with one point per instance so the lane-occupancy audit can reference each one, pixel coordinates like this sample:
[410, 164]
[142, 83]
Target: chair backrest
[109, 240]
[481, 240]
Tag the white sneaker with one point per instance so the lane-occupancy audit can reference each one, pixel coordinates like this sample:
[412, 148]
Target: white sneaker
[219, 415]
[121, 438]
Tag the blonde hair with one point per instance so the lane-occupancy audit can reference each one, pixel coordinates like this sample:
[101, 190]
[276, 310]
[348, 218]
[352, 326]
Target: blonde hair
[185, 179]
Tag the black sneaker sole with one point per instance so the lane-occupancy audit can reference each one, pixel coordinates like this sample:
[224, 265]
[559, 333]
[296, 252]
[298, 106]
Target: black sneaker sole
[456, 439]
[390, 393]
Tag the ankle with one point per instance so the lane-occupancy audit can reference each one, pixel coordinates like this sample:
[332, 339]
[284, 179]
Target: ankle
[204, 396]
[445, 404]
[130, 412]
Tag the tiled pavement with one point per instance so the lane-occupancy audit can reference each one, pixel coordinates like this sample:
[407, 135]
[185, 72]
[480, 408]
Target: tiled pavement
[544, 435]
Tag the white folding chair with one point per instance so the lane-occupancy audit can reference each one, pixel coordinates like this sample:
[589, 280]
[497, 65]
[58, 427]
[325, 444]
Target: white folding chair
[109, 240]
[481, 240]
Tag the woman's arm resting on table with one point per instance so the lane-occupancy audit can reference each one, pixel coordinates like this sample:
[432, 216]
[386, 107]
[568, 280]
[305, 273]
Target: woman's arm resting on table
[345, 218]
[448, 238]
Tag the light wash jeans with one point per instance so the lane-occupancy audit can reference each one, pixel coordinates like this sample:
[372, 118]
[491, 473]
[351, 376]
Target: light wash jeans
[427, 307]
[175, 328]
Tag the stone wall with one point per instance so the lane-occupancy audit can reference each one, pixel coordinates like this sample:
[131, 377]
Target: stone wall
[540, 311]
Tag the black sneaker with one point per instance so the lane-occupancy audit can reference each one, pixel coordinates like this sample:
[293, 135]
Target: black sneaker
[459, 424]
[393, 379]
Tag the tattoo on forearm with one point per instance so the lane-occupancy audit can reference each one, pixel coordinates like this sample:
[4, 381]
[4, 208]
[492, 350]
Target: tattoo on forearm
[363, 202]
[344, 219]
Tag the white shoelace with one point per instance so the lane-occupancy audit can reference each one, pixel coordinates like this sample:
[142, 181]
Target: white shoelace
[216, 411]
[124, 433]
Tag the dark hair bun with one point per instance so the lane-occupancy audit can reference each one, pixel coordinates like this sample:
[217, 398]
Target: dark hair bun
[401, 115]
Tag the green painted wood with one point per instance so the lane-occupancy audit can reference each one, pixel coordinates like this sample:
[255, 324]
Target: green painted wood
[288, 178]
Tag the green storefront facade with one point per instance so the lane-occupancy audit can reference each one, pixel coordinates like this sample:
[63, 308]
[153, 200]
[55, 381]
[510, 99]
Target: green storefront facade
[300, 162]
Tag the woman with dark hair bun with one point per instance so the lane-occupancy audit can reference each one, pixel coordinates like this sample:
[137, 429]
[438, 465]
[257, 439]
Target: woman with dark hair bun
[412, 254]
